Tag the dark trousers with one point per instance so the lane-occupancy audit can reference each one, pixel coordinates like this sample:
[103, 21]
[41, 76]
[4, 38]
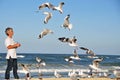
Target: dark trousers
[11, 64]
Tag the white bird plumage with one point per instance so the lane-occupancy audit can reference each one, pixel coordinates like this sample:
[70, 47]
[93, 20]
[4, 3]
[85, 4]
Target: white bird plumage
[48, 17]
[26, 70]
[75, 55]
[59, 7]
[45, 32]
[70, 41]
[89, 52]
[66, 23]
[44, 5]
[40, 62]
[95, 64]
[57, 75]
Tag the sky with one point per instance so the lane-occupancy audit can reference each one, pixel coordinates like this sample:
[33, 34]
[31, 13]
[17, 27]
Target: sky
[96, 25]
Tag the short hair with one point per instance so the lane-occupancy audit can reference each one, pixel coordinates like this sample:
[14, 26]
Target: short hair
[7, 29]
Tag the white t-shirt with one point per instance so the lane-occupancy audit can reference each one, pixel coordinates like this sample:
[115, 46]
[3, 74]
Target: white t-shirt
[10, 52]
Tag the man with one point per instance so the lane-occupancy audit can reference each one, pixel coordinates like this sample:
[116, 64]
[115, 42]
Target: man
[11, 56]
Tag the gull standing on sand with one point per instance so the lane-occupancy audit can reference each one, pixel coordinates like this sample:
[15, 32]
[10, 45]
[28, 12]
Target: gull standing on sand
[73, 75]
[44, 5]
[89, 52]
[26, 71]
[66, 23]
[59, 7]
[82, 74]
[45, 32]
[48, 16]
[57, 75]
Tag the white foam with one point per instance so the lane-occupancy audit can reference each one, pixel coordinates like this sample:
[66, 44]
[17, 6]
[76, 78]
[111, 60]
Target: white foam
[52, 70]
[118, 58]
[20, 56]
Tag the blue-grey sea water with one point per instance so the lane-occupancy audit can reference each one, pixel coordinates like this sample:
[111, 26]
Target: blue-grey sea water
[57, 62]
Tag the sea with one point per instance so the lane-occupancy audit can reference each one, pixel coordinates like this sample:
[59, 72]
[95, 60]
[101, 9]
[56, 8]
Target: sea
[57, 62]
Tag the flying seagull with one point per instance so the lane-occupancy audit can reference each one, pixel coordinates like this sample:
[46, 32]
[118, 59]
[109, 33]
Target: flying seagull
[75, 53]
[66, 23]
[48, 16]
[68, 59]
[95, 63]
[45, 32]
[59, 7]
[70, 41]
[40, 62]
[63, 39]
[26, 70]
[88, 51]
[44, 5]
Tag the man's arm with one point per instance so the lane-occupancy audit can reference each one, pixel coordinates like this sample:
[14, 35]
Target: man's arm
[13, 46]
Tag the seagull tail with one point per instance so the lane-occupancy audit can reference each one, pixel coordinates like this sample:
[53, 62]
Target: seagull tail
[70, 26]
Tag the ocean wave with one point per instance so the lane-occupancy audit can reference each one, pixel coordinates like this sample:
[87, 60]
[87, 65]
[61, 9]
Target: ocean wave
[118, 58]
[20, 56]
[52, 70]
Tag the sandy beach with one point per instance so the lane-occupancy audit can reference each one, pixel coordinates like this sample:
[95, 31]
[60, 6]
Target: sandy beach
[70, 79]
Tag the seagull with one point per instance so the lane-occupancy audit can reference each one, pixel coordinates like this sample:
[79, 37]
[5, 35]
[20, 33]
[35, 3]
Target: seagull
[40, 62]
[116, 72]
[26, 71]
[48, 16]
[57, 75]
[59, 7]
[75, 53]
[63, 39]
[66, 23]
[95, 63]
[47, 4]
[73, 75]
[38, 59]
[70, 41]
[45, 32]
[68, 59]
[82, 74]
[88, 51]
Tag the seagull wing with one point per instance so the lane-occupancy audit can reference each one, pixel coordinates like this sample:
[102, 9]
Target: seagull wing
[61, 5]
[49, 5]
[96, 62]
[48, 16]
[83, 48]
[90, 52]
[38, 59]
[42, 6]
[62, 39]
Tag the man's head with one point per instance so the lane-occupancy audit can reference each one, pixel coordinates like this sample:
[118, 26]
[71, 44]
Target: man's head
[9, 31]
